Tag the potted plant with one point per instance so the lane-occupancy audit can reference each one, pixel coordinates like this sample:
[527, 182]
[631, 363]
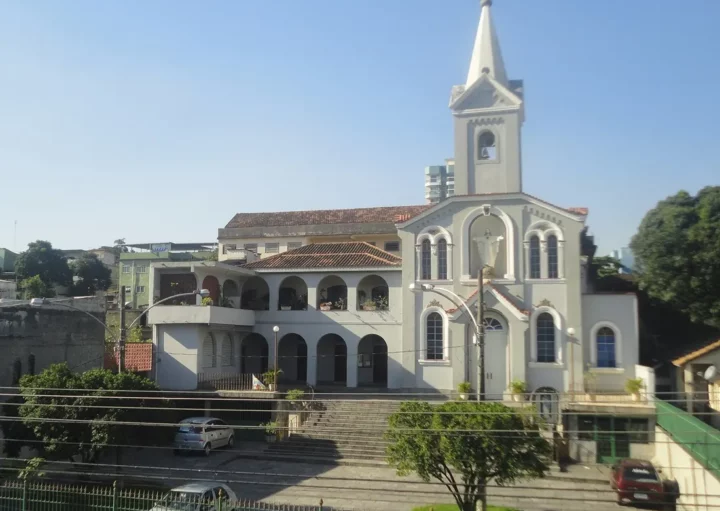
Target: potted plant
[270, 378]
[294, 395]
[382, 303]
[369, 305]
[285, 307]
[271, 431]
[589, 378]
[633, 386]
[340, 304]
[464, 389]
[518, 388]
[207, 301]
[326, 306]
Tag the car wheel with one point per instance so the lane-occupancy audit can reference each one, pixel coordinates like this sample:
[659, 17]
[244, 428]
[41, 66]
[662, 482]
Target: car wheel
[231, 441]
[206, 449]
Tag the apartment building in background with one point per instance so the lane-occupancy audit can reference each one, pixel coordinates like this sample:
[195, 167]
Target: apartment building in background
[440, 182]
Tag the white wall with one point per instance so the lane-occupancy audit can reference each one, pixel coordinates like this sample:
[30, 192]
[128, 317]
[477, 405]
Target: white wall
[699, 488]
[177, 348]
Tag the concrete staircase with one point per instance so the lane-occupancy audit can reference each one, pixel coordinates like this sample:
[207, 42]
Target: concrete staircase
[341, 430]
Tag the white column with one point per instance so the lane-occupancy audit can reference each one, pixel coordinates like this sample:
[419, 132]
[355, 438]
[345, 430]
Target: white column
[561, 259]
[418, 262]
[449, 261]
[543, 259]
[433, 261]
[526, 245]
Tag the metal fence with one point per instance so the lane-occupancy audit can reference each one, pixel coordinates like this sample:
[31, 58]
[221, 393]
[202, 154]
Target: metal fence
[225, 381]
[700, 439]
[36, 496]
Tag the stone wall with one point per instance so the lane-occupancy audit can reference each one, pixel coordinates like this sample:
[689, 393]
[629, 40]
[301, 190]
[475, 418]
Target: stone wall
[50, 334]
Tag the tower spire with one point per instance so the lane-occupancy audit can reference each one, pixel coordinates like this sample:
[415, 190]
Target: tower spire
[486, 56]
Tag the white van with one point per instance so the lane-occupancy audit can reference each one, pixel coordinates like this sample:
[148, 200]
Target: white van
[203, 434]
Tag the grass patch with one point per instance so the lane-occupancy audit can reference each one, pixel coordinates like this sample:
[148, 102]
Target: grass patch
[453, 507]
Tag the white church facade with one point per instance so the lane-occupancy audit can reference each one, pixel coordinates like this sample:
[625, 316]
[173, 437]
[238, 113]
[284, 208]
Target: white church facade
[381, 297]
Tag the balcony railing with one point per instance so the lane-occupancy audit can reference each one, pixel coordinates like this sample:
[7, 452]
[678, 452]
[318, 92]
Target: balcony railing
[225, 381]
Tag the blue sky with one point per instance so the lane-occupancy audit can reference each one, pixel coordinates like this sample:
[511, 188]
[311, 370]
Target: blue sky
[159, 120]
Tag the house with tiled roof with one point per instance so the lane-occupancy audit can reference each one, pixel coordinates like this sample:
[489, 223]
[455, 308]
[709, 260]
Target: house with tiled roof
[389, 297]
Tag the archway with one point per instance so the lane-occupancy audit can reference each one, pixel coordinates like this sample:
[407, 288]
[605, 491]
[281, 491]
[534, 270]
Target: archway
[373, 293]
[332, 294]
[332, 360]
[254, 355]
[176, 283]
[230, 294]
[255, 295]
[211, 284]
[292, 359]
[372, 366]
[293, 294]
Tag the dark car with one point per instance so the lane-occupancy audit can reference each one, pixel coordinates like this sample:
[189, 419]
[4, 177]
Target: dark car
[638, 482]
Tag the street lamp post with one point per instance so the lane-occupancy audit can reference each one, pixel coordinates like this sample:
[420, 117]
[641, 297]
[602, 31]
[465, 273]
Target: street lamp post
[276, 329]
[477, 323]
[39, 302]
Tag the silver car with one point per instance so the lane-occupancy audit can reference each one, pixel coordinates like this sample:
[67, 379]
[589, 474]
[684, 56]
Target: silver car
[203, 434]
[207, 496]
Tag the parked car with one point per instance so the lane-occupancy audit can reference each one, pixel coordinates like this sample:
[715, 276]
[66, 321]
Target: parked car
[207, 496]
[638, 482]
[203, 434]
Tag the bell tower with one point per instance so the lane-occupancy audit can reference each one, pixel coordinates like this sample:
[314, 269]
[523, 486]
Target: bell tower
[488, 116]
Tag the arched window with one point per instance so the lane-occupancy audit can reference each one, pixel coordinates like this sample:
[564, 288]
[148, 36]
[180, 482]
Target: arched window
[426, 268]
[486, 146]
[492, 325]
[434, 336]
[209, 351]
[31, 364]
[442, 259]
[534, 257]
[552, 252]
[545, 338]
[227, 353]
[605, 345]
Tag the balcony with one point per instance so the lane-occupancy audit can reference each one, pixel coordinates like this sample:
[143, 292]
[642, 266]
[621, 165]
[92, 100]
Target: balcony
[199, 314]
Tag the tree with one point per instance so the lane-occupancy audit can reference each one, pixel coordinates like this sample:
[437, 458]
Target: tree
[677, 253]
[43, 260]
[465, 446]
[606, 266]
[119, 247]
[81, 422]
[34, 287]
[92, 275]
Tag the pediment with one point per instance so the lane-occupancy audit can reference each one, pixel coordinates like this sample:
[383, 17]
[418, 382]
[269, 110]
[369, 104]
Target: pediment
[486, 93]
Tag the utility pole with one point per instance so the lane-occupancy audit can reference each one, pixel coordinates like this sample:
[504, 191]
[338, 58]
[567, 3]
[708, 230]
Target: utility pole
[121, 341]
[481, 335]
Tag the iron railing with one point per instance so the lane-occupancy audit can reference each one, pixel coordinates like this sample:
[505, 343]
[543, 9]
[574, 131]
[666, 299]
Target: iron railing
[225, 381]
[38, 496]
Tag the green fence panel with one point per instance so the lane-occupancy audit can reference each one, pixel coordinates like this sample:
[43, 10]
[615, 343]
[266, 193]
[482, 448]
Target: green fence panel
[700, 439]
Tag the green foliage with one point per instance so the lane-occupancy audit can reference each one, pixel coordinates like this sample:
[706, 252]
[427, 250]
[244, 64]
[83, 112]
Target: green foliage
[94, 430]
[34, 287]
[634, 385]
[271, 427]
[32, 469]
[206, 302]
[213, 255]
[135, 335]
[518, 387]
[271, 376]
[432, 441]
[677, 253]
[92, 275]
[16, 430]
[605, 266]
[45, 261]
[464, 387]
[294, 394]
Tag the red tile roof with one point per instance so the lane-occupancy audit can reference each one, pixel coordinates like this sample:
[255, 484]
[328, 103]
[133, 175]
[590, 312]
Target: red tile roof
[354, 254]
[392, 214]
[510, 299]
[696, 354]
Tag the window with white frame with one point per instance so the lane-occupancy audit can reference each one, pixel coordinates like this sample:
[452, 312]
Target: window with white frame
[126, 268]
[552, 255]
[392, 246]
[426, 261]
[139, 289]
[228, 246]
[535, 257]
[545, 338]
[251, 246]
[128, 289]
[492, 325]
[605, 346]
[272, 248]
[442, 260]
[434, 337]
[141, 269]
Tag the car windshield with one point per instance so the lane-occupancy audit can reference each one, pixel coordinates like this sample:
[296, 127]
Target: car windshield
[181, 501]
[188, 428]
[640, 474]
